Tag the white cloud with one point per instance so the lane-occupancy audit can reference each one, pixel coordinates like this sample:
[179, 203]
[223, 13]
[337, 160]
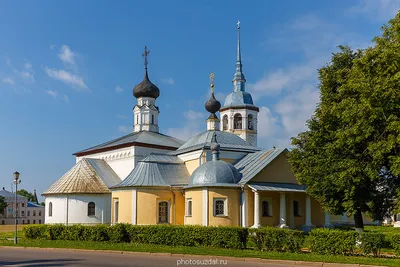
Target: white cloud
[66, 55]
[27, 65]
[8, 80]
[124, 129]
[119, 89]
[194, 123]
[381, 10]
[27, 76]
[273, 83]
[294, 87]
[66, 99]
[55, 94]
[168, 81]
[68, 78]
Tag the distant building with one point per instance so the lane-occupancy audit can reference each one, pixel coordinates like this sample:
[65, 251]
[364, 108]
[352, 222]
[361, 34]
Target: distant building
[27, 212]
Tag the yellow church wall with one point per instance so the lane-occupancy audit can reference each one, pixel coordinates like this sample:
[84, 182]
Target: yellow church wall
[278, 171]
[180, 207]
[317, 213]
[124, 198]
[233, 215]
[196, 195]
[301, 199]
[192, 165]
[272, 197]
[231, 161]
[147, 205]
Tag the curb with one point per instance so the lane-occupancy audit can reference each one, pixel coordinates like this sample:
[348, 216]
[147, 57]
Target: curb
[157, 254]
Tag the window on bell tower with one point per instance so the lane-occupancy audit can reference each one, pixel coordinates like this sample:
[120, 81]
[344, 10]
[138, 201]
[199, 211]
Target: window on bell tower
[152, 119]
[250, 123]
[237, 121]
[225, 122]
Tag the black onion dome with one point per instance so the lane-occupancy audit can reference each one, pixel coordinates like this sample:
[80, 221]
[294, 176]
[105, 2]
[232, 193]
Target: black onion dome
[146, 88]
[212, 105]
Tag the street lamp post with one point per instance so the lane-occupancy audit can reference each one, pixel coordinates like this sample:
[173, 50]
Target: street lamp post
[16, 182]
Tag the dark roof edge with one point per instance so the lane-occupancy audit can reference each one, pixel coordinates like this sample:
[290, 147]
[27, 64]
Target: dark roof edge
[104, 149]
[251, 107]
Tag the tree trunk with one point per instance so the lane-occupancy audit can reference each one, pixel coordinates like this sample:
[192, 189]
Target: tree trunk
[358, 220]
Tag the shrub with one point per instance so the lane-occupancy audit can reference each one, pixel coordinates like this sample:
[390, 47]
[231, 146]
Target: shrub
[223, 237]
[36, 232]
[328, 241]
[118, 233]
[395, 242]
[372, 242]
[277, 239]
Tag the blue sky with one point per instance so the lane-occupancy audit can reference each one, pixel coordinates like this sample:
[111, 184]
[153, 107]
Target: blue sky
[67, 69]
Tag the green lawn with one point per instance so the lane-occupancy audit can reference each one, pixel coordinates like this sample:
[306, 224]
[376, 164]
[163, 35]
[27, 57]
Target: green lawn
[195, 251]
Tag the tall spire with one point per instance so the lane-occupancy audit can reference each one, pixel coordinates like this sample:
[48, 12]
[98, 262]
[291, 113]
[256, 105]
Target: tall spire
[238, 79]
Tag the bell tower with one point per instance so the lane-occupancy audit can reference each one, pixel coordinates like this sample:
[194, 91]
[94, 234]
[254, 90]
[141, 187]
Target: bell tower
[239, 114]
[146, 112]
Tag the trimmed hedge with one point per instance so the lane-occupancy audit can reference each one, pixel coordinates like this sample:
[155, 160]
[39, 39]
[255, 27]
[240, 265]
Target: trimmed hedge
[277, 239]
[372, 242]
[395, 242]
[327, 241]
[221, 237]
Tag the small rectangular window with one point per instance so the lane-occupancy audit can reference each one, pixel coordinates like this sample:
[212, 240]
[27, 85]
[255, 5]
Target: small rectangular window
[40, 213]
[163, 212]
[34, 212]
[189, 207]
[29, 221]
[220, 208]
[40, 221]
[34, 221]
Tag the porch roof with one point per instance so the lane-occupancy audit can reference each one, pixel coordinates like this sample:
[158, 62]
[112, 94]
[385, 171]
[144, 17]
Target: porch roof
[277, 187]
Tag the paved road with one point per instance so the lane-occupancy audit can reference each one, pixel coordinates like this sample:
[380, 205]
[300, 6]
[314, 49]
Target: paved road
[18, 257]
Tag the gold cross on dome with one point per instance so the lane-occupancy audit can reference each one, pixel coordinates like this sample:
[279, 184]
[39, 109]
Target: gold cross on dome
[212, 82]
[145, 54]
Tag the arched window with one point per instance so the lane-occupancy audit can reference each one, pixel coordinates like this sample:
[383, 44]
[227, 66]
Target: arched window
[296, 209]
[265, 209]
[250, 124]
[237, 121]
[91, 209]
[137, 119]
[152, 119]
[116, 211]
[50, 209]
[225, 122]
[163, 212]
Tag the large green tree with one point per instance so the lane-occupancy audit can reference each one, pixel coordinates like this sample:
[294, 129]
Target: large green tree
[28, 195]
[350, 156]
[3, 204]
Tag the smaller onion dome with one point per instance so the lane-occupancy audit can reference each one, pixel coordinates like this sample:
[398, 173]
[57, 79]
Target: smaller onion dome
[146, 88]
[212, 105]
[215, 172]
